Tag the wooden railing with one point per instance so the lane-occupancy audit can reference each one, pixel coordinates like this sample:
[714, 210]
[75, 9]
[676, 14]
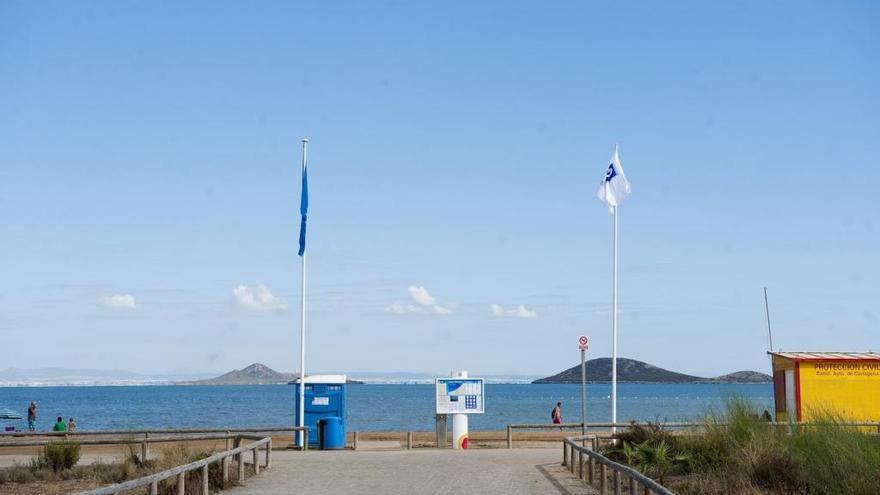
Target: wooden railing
[144, 438]
[671, 425]
[569, 426]
[81, 433]
[179, 472]
[623, 479]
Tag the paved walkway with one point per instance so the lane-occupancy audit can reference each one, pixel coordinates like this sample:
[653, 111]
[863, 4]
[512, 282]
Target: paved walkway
[428, 471]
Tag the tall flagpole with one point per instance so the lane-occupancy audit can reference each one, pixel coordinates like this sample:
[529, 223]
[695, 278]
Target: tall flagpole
[614, 328]
[302, 330]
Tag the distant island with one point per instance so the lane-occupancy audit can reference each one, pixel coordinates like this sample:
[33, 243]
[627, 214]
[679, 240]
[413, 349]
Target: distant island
[255, 374]
[598, 370]
[631, 370]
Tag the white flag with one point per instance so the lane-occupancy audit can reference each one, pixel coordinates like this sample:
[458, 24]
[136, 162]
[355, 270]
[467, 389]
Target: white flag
[614, 188]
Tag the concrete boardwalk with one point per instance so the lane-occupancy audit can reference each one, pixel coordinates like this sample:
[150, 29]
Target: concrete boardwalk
[429, 471]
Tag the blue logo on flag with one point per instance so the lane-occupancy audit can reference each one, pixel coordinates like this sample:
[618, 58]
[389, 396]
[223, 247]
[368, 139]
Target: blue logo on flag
[610, 173]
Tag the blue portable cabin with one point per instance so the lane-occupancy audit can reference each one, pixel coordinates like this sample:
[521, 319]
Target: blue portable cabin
[325, 397]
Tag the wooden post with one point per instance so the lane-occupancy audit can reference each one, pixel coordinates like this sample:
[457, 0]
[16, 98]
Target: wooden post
[269, 453]
[616, 482]
[181, 483]
[354, 441]
[145, 448]
[225, 468]
[564, 454]
[632, 485]
[240, 466]
[228, 440]
[647, 491]
[603, 480]
[206, 490]
[256, 461]
[409, 440]
[154, 488]
[595, 443]
[571, 467]
[510, 436]
[580, 465]
[591, 471]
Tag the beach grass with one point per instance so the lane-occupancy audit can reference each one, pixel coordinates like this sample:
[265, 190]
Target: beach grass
[739, 452]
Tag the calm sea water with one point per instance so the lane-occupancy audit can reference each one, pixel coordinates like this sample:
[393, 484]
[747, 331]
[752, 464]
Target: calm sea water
[370, 407]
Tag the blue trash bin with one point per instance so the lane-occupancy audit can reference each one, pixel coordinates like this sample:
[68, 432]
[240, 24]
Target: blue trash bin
[332, 434]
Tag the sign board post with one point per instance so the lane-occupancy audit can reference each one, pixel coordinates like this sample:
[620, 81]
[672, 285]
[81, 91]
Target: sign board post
[583, 345]
[460, 396]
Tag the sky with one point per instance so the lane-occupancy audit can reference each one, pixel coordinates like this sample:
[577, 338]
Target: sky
[150, 181]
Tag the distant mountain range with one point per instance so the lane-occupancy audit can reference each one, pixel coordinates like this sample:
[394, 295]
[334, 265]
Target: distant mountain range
[631, 370]
[35, 377]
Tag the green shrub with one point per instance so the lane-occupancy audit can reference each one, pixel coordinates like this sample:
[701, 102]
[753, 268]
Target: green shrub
[651, 432]
[59, 456]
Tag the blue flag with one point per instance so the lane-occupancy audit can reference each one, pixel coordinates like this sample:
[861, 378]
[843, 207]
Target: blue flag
[303, 209]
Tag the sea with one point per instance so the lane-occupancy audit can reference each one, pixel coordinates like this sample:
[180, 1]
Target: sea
[371, 407]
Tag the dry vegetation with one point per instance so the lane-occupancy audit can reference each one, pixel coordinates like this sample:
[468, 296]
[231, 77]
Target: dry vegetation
[54, 471]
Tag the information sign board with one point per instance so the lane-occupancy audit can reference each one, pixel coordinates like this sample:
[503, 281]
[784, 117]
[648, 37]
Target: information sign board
[460, 396]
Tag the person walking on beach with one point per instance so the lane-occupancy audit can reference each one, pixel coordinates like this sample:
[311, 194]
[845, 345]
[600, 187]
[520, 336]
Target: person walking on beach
[32, 416]
[59, 425]
[71, 425]
[556, 415]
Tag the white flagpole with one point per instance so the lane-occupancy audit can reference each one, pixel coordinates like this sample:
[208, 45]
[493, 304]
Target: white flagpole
[614, 328]
[302, 331]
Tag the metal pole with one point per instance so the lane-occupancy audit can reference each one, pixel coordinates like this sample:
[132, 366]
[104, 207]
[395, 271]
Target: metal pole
[302, 329]
[769, 333]
[614, 328]
[583, 392]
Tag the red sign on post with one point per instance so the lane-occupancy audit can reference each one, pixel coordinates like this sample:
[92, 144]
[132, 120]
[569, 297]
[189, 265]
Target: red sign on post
[583, 343]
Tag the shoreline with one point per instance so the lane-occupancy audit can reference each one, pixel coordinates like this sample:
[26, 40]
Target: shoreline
[185, 384]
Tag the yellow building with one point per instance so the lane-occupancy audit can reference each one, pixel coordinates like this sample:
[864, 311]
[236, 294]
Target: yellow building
[808, 383]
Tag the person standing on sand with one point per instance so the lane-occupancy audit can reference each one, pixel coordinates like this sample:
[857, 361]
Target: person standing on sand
[32, 416]
[59, 425]
[556, 415]
[71, 425]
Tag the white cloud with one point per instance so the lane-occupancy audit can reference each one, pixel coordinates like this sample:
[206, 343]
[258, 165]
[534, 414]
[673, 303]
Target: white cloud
[421, 296]
[422, 302]
[258, 298]
[514, 312]
[440, 310]
[122, 301]
[496, 310]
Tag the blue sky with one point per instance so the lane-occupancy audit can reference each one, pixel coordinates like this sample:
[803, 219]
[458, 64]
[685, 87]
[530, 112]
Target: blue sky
[149, 182]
